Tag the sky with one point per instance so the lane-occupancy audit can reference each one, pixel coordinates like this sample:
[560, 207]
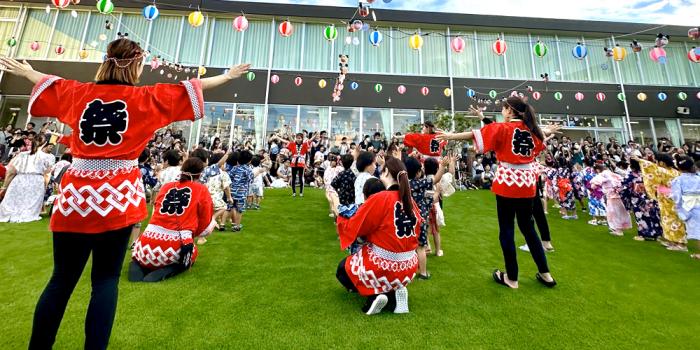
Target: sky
[673, 12]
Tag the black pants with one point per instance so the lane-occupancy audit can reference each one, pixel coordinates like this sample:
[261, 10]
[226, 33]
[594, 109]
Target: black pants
[541, 219]
[298, 173]
[342, 275]
[70, 254]
[510, 209]
[140, 274]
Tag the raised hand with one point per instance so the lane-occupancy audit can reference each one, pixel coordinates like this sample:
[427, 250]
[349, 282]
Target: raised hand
[475, 111]
[444, 136]
[12, 66]
[236, 71]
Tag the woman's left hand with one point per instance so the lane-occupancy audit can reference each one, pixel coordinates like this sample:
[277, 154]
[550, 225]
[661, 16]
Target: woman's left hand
[235, 72]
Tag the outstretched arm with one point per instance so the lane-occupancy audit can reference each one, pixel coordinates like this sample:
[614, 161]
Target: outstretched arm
[23, 69]
[233, 73]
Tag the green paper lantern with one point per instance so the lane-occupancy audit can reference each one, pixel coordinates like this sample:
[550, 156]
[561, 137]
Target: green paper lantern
[621, 97]
[558, 96]
[378, 88]
[493, 94]
[540, 49]
[105, 6]
[682, 96]
[250, 76]
[330, 33]
[12, 42]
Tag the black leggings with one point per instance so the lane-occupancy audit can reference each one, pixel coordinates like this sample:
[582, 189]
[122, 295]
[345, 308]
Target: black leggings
[541, 219]
[342, 275]
[139, 274]
[70, 255]
[298, 172]
[521, 208]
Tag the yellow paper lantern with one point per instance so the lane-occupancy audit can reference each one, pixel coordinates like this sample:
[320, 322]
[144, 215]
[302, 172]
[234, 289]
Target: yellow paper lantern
[196, 18]
[83, 54]
[447, 92]
[619, 53]
[415, 42]
[202, 70]
[642, 96]
[322, 83]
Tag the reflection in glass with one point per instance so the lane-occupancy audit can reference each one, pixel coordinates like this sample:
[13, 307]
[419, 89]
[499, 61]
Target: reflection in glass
[345, 122]
[582, 121]
[376, 120]
[668, 128]
[216, 124]
[281, 119]
[641, 131]
[248, 125]
[314, 118]
[404, 118]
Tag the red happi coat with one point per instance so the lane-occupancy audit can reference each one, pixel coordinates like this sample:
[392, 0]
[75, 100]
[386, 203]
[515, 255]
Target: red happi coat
[389, 260]
[426, 144]
[112, 124]
[299, 153]
[182, 210]
[516, 148]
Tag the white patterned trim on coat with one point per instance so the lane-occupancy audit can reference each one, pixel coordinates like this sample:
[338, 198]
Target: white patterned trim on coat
[369, 278]
[101, 168]
[101, 200]
[479, 140]
[156, 256]
[162, 233]
[45, 85]
[193, 99]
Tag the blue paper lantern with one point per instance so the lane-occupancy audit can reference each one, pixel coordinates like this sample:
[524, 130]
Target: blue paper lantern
[471, 93]
[662, 96]
[375, 38]
[579, 52]
[354, 85]
[150, 12]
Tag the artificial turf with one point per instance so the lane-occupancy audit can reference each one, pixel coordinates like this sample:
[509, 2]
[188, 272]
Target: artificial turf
[273, 286]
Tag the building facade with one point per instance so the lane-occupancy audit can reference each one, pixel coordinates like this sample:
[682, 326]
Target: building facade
[636, 98]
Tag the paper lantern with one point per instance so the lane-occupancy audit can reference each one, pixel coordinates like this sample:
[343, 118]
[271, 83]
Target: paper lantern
[619, 53]
[694, 55]
[600, 97]
[401, 89]
[196, 18]
[658, 54]
[12, 42]
[60, 4]
[514, 94]
[250, 76]
[60, 50]
[375, 38]
[275, 79]
[355, 41]
[102, 37]
[580, 51]
[698, 95]
[540, 49]
[499, 47]
[34, 46]
[83, 54]
[415, 41]
[240, 23]
[694, 33]
[493, 94]
[354, 85]
[330, 33]
[471, 93]
[286, 29]
[558, 96]
[378, 88]
[424, 91]
[682, 96]
[662, 96]
[458, 44]
[642, 96]
[363, 11]
[298, 81]
[105, 6]
[447, 92]
[322, 83]
[202, 70]
[155, 63]
[579, 96]
[621, 97]
[150, 12]
[536, 95]
[357, 24]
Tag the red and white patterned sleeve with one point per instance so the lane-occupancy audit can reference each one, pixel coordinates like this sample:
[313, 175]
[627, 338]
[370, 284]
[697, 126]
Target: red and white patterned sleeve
[489, 137]
[53, 97]
[176, 102]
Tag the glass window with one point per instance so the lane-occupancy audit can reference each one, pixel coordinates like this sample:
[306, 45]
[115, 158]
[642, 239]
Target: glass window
[601, 66]
[314, 118]
[464, 63]
[582, 121]
[354, 52]
[135, 25]
[164, 35]
[69, 33]
[549, 63]
[9, 12]
[288, 51]
[317, 50]
[377, 59]
[6, 30]
[97, 48]
[629, 69]
[605, 136]
[610, 122]
[37, 28]
[554, 119]
[406, 59]
[668, 128]
[691, 131]
[345, 122]
[248, 125]
[576, 135]
[519, 56]
[226, 42]
[14, 112]
[216, 124]
[573, 68]
[256, 43]
[376, 120]
[678, 65]
[490, 64]
[404, 118]
[431, 116]
[280, 119]
[434, 57]
[191, 44]
[641, 131]
[654, 72]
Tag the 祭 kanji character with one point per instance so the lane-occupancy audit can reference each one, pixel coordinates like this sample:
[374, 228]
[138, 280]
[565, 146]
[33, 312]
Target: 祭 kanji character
[104, 123]
[434, 145]
[523, 144]
[175, 201]
[403, 223]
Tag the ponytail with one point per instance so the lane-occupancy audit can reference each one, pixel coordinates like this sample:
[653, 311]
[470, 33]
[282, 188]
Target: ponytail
[398, 172]
[191, 169]
[38, 143]
[527, 113]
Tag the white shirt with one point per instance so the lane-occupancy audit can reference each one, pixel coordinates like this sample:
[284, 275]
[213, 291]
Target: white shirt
[170, 174]
[359, 186]
[258, 180]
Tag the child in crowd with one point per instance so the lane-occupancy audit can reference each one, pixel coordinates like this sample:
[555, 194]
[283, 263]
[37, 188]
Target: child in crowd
[219, 186]
[645, 209]
[328, 176]
[596, 205]
[567, 199]
[242, 176]
[173, 160]
[344, 183]
[432, 166]
[685, 192]
[487, 177]
[611, 185]
[256, 193]
[284, 174]
[366, 165]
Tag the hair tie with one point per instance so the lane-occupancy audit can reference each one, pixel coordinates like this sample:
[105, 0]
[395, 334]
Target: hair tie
[402, 172]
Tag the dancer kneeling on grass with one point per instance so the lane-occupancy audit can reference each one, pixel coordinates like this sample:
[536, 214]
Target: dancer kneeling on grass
[183, 210]
[516, 143]
[389, 222]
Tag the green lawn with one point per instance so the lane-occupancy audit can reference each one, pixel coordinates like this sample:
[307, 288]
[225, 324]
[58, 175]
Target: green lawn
[273, 286]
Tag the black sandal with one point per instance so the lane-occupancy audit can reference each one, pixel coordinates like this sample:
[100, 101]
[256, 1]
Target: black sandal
[545, 282]
[500, 278]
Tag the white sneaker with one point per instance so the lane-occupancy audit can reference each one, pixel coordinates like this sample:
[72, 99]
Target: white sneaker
[439, 253]
[378, 304]
[401, 301]
[294, 194]
[525, 248]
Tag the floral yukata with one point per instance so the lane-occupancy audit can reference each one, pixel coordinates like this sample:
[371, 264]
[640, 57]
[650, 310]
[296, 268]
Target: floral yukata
[646, 210]
[657, 181]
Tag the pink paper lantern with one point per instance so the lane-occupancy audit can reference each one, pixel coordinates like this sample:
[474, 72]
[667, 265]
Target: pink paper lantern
[298, 81]
[275, 79]
[698, 95]
[657, 54]
[536, 95]
[600, 97]
[458, 44]
[286, 28]
[401, 89]
[513, 94]
[155, 63]
[34, 46]
[240, 23]
[425, 91]
[579, 96]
